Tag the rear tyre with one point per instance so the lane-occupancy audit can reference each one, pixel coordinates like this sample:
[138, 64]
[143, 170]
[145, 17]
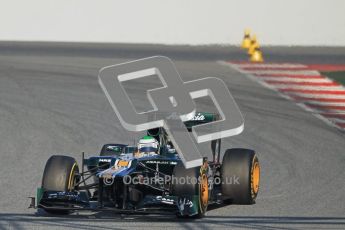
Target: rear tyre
[60, 174]
[199, 189]
[240, 173]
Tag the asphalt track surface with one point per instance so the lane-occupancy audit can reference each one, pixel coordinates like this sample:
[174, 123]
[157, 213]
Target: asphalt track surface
[50, 102]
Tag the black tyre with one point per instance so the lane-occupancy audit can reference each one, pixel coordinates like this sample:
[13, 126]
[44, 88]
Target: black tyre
[108, 150]
[60, 174]
[190, 189]
[240, 173]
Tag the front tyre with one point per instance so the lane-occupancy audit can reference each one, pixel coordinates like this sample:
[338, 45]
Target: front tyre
[199, 189]
[60, 174]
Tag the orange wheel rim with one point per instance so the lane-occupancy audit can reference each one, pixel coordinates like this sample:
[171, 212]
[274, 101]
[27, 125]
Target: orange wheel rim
[256, 177]
[204, 190]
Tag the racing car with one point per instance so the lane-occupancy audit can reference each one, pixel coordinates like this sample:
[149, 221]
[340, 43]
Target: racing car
[149, 177]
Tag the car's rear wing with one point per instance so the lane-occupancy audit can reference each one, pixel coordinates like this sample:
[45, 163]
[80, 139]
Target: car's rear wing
[201, 118]
[198, 119]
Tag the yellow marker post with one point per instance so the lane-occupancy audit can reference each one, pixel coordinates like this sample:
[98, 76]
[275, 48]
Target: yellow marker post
[253, 44]
[257, 55]
[246, 39]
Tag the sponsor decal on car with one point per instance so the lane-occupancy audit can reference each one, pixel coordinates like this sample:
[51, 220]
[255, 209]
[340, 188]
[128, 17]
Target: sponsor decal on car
[162, 162]
[198, 117]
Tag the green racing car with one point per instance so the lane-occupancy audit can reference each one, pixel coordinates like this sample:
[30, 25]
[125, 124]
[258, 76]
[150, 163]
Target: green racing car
[149, 178]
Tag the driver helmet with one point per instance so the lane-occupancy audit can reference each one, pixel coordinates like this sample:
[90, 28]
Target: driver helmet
[148, 144]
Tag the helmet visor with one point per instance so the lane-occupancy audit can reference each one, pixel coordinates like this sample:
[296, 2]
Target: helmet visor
[147, 149]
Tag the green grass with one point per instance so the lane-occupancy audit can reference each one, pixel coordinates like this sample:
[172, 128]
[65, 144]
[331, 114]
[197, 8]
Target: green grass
[338, 76]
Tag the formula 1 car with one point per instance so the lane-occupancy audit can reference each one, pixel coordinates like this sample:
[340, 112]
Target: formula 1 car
[119, 181]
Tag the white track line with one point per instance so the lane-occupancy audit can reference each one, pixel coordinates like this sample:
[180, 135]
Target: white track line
[273, 65]
[288, 72]
[329, 88]
[314, 95]
[337, 120]
[289, 79]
